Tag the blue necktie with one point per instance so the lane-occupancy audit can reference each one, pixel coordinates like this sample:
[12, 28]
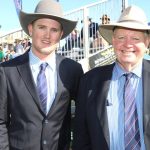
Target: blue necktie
[42, 86]
[132, 134]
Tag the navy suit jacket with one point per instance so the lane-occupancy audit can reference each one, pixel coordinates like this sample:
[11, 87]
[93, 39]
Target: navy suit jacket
[23, 124]
[91, 125]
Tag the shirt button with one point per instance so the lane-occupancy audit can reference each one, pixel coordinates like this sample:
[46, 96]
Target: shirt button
[44, 142]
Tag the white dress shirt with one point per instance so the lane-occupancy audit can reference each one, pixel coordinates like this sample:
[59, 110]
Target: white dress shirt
[51, 75]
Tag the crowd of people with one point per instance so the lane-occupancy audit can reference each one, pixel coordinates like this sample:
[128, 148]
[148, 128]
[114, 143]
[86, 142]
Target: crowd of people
[112, 102]
[76, 38]
[9, 51]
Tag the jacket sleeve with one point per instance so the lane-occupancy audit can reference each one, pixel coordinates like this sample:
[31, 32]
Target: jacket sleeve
[4, 143]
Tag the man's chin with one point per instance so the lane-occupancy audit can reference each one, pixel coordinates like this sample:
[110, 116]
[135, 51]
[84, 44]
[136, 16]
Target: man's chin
[50, 48]
[47, 51]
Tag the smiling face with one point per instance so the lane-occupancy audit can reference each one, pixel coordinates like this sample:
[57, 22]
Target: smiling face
[46, 34]
[129, 46]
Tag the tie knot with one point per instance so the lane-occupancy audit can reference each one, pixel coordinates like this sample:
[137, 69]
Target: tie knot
[128, 75]
[43, 66]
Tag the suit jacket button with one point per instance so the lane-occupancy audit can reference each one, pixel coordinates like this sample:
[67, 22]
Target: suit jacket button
[45, 121]
[44, 142]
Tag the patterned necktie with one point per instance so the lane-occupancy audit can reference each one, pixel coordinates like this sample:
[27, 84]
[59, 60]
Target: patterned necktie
[132, 134]
[42, 86]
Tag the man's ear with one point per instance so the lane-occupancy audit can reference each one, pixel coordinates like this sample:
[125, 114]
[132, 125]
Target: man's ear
[30, 26]
[147, 42]
[61, 34]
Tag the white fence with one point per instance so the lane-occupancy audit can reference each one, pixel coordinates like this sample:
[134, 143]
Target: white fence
[87, 44]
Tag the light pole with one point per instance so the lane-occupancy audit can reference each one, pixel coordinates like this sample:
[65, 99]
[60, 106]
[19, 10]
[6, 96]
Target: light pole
[124, 4]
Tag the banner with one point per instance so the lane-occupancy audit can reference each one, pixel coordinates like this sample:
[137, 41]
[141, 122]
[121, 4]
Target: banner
[18, 5]
[103, 57]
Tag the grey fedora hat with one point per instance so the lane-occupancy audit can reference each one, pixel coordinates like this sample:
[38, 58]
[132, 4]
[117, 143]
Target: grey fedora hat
[132, 17]
[47, 9]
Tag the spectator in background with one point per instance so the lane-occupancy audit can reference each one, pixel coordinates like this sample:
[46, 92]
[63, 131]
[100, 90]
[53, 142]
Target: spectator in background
[71, 41]
[1, 54]
[10, 53]
[18, 47]
[105, 19]
[146, 55]
[100, 42]
[26, 44]
[5, 49]
[93, 32]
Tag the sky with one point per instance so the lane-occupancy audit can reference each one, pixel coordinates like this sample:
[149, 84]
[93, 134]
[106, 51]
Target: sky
[9, 19]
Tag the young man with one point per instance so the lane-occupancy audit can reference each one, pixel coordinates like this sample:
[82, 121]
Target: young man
[38, 86]
[113, 108]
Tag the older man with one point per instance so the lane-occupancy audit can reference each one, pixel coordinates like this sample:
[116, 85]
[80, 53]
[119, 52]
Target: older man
[113, 107]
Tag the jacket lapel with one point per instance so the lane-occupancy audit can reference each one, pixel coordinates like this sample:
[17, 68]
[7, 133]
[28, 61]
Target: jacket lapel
[146, 103]
[102, 101]
[26, 74]
[102, 110]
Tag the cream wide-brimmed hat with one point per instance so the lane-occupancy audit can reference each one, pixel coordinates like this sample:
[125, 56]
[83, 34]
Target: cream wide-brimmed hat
[47, 9]
[132, 17]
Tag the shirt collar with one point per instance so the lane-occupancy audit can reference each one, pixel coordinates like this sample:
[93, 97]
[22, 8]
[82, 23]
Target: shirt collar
[119, 71]
[36, 62]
